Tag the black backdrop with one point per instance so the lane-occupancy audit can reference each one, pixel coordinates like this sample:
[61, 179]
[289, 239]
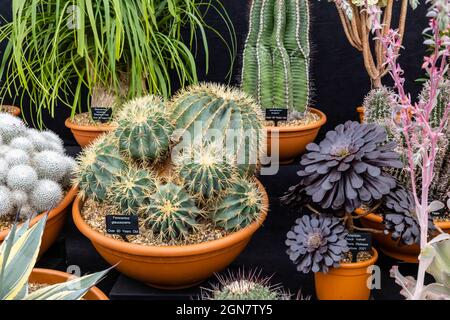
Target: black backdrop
[339, 78]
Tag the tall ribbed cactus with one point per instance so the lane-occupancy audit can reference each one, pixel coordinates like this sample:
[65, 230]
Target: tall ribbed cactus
[278, 41]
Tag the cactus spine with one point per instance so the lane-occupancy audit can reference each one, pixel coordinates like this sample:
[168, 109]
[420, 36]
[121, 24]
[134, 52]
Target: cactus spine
[278, 40]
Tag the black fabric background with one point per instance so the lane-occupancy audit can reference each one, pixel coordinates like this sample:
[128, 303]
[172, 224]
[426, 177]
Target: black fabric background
[340, 83]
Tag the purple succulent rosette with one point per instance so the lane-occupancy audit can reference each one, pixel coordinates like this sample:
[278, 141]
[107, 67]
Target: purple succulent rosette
[317, 243]
[346, 168]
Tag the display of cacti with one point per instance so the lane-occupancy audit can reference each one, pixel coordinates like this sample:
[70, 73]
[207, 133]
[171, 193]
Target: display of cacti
[148, 166]
[276, 55]
[33, 169]
[211, 112]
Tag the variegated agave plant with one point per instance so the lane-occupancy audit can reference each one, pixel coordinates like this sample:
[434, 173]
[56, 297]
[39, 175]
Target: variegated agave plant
[18, 254]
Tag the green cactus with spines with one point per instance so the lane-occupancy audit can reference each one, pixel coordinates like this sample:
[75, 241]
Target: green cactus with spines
[171, 213]
[281, 51]
[98, 167]
[129, 192]
[231, 112]
[205, 171]
[144, 129]
[239, 207]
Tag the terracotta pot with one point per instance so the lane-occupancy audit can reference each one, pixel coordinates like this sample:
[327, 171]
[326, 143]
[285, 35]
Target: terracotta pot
[360, 111]
[348, 282]
[171, 267]
[55, 222]
[47, 276]
[293, 140]
[392, 248]
[84, 135]
[15, 111]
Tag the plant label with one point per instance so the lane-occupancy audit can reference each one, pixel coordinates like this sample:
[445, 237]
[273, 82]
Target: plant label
[101, 114]
[122, 225]
[276, 114]
[359, 242]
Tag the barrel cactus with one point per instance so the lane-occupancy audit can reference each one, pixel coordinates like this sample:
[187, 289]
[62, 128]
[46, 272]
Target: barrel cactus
[171, 213]
[144, 129]
[241, 205]
[32, 169]
[98, 167]
[277, 55]
[211, 112]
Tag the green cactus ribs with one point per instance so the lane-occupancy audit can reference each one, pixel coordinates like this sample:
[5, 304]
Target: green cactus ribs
[278, 41]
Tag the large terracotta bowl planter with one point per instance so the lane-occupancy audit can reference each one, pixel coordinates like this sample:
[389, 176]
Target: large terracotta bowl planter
[348, 282]
[15, 111]
[50, 277]
[293, 140]
[392, 248]
[171, 267]
[84, 135]
[55, 222]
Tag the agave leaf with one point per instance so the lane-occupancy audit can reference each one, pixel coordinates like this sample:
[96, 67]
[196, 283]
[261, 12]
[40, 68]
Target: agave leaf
[74, 289]
[17, 258]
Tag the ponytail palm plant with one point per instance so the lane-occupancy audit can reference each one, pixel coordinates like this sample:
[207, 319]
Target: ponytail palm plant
[56, 47]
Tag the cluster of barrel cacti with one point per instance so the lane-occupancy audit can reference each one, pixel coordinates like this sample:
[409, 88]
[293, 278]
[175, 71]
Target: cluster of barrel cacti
[380, 107]
[157, 165]
[34, 171]
[277, 53]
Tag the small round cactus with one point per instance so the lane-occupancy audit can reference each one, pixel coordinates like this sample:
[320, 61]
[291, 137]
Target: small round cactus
[46, 195]
[10, 127]
[241, 206]
[17, 156]
[20, 198]
[23, 143]
[22, 177]
[98, 167]
[171, 213]
[4, 168]
[205, 171]
[144, 129]
[39, 141]
[50, 165]
[6, 202]
[130, 190]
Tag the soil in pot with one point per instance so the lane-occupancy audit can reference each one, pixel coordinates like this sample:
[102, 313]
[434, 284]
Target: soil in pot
[41, 278]
[348, 282]
[85, 130]
[55, 222]
[293, 137]
[169, 266]
[10, 109]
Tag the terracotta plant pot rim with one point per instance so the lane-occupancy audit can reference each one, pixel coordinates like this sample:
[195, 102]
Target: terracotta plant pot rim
[379, 219]
[59, 274]
[314, 125]
[104, 128]
[54, 212]
[169, 251]
[362, 264]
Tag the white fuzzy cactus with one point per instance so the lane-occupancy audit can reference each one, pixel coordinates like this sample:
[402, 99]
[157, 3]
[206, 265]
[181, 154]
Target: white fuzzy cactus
[16, 157]
[4, 168]
[23, 143]
[22, 177]
[50, 165]
[6, 202]
[10, 127]
[46, 195]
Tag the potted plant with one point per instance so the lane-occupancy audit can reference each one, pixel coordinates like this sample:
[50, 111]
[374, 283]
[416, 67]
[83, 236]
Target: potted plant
[6, 108]
[397, 215]
[197, 204]
[35, 177]
[275, 72]
[338, 175]
[19, 281]
[121, 47]
[422, 133]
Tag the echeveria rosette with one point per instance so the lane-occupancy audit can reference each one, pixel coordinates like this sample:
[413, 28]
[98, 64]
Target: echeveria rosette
[400, 216]
[317, 243]
[346, 168]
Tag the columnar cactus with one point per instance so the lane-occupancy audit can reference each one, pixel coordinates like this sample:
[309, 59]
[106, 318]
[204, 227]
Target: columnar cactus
[171, 213]
[33, 168]
[276, 55]
[144, 129]
[210, 111]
